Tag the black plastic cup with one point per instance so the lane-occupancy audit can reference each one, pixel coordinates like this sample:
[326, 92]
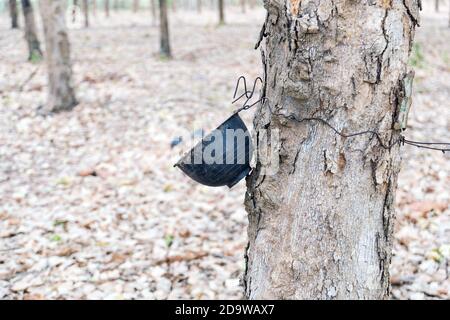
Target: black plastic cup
[222, 158]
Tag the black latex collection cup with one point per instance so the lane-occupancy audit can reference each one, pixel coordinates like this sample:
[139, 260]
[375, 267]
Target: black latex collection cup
[222, 158]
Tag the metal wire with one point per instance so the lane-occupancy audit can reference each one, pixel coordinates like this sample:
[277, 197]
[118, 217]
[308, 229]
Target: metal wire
[439, 146]
[247, 93]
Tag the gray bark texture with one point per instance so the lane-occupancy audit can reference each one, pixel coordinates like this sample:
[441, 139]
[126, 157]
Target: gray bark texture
[34, 48]
[321, 227]
[61, 96]
[13, 14]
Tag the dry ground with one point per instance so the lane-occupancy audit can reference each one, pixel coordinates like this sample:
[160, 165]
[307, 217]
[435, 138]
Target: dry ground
[140, 229]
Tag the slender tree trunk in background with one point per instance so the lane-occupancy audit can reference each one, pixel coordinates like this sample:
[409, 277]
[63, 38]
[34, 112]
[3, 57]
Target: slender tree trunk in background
[135, 5]
[243, 6]
[153, 8]
[436, 5]
[74, 10]
[116, 4]
[106, 8]
[13, 14]
[252, 4]
[199, 6]
[94, 7]
[86, 13]
[321, 226]
[221, 12]
[174, 7]
[164, 29]
[34, 49]
[61, 95]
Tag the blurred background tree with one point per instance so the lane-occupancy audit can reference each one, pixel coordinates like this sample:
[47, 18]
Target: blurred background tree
[221, 11]
[61, 96]
[34, 48]
[13, 13]
[164, 30]
[106, 5]
[86, 12]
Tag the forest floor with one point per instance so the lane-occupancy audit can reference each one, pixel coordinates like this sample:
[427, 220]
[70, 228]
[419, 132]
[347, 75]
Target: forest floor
[91, 207]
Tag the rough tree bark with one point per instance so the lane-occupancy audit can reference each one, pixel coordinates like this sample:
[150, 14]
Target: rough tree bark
[164, 29]
[106, 8]
[86, 13]
[34, 48]
[61, 95]
[13, 14]
[321, 227]
[221, 12]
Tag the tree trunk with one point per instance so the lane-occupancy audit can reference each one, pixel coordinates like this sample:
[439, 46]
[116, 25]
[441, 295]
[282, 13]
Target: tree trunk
[94, 7]
[321, 206]
[164, 29]
[116, 4]
[135, 5]
[153, 8]
[34, 49]
[436, 5]
[74, 10]
[13, 14]
[60, 95]
[174, 7]
[86, 13]
[243, 6]
[199, 6]
[221, 12]
[107, 8]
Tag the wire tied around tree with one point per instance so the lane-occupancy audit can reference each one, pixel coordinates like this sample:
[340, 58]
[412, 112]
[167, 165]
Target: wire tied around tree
[248, 94]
